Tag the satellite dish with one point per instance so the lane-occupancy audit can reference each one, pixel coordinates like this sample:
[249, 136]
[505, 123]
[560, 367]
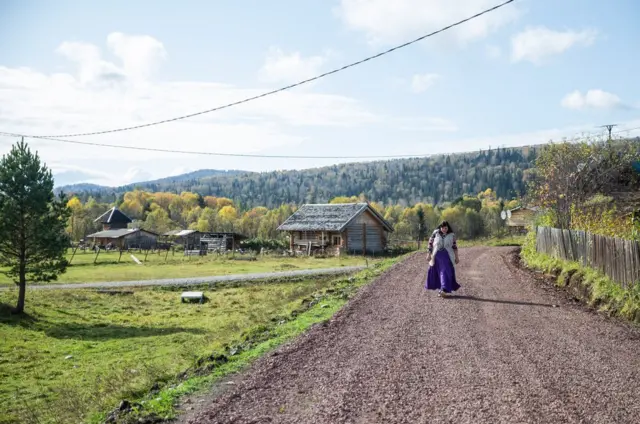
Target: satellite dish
[503, 215]
[509, 214]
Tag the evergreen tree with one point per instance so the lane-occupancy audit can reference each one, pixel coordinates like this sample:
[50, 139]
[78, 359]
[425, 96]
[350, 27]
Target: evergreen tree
[33, 241]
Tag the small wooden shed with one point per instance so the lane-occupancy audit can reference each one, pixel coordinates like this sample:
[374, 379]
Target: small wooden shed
[125, 238]
[350, 227]
[520, 218]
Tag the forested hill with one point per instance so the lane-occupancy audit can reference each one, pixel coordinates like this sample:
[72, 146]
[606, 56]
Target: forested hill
[434, 179]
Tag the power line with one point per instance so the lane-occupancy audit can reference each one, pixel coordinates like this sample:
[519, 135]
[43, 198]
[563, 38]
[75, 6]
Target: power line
[269, 93]
[256, 155]
[192, 152]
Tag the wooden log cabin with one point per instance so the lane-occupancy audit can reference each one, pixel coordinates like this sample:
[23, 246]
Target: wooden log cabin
[520, 218]
[349, 227]
[116, 234]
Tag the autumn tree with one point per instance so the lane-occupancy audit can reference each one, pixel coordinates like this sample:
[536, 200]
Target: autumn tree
[158, 220]
[568, 174]
[33, 241]
[207, 220]
[228, 215]
[77, 219]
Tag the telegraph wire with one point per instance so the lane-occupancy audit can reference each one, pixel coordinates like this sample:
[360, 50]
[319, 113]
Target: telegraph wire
[288, 87]
[264, 156]
[192, 152]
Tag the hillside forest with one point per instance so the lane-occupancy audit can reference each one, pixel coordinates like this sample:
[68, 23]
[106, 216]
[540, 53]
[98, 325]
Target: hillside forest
[589, 185]
[432, 180]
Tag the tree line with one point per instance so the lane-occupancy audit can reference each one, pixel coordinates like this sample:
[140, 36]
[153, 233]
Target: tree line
[471, 216]
[432, 180]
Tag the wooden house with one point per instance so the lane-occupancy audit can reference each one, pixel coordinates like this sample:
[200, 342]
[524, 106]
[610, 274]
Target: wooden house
[113, 219]
[520, 218]
[116, 234]
[125, 238]
[348, 227]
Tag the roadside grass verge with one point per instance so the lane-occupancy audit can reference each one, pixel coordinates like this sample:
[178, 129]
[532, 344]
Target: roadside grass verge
[586, 284]
[78, 354]
[83, 270]
[493, 241]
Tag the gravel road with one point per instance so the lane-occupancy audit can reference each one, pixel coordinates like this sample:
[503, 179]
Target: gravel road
[200, 280]
[505, 350]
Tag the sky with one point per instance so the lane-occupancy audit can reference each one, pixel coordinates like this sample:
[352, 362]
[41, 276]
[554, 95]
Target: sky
[531, 72]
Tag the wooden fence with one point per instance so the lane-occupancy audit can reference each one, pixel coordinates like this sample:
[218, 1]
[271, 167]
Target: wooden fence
[619, 259]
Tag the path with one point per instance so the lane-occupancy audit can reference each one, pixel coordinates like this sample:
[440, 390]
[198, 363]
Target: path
[501, 352]
[201, 280]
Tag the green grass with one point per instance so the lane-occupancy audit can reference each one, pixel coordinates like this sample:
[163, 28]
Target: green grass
[493, 241]
[589, 285]
[83, 270]
[78, 353]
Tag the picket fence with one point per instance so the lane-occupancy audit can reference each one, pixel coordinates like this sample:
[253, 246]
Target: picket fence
[619, 259]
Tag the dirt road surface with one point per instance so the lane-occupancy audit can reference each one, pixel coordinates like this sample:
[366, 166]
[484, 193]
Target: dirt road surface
[505, 350]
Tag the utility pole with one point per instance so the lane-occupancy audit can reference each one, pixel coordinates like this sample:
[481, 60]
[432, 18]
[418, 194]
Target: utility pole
[609, 127]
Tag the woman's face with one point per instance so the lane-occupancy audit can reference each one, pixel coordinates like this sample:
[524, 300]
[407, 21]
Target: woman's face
[444, 229]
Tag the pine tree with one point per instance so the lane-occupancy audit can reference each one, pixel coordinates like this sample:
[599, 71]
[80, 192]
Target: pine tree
[33, 241]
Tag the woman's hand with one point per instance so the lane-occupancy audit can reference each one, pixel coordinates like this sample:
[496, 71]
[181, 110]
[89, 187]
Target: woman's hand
[457, 260]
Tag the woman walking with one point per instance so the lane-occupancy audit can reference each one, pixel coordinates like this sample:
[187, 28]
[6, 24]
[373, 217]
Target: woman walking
[443, 254]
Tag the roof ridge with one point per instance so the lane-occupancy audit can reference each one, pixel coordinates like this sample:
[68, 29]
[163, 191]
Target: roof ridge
[113, 209]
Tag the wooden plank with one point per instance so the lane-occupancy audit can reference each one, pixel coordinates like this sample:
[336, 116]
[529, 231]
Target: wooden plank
[364, 238]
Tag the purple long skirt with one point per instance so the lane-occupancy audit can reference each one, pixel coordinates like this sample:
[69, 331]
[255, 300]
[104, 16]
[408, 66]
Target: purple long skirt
[442, 275]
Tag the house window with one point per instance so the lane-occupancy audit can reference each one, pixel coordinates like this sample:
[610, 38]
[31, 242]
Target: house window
[336, 240]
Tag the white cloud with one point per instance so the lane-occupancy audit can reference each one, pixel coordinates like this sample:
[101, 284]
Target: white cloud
[421, 82]
[385, 21]
[101, 94]
[592, 99]
[290, 67]
[140, 54]
[494, 52]
[537, 44]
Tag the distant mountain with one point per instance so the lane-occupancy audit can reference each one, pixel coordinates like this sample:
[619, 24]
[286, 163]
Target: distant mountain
[80, 187]
[154, 185]
[435, 179]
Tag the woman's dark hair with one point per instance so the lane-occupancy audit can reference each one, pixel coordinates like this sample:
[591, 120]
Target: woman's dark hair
[445, 224]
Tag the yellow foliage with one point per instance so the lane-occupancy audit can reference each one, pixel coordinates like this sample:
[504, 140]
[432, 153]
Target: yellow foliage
[344, 199]
[603, 222]
[228, 213]
[223, 201]
[74, 204]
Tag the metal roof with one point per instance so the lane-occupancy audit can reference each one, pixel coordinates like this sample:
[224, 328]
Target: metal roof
[113, 215]
[328, 217]
[114, 234]
[179, 233]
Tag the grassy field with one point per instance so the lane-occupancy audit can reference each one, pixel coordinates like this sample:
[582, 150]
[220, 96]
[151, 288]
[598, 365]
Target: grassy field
[107, 268]
[79, 352]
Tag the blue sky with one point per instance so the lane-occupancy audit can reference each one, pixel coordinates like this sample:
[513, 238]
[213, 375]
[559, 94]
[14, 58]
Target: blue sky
[530, 72]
